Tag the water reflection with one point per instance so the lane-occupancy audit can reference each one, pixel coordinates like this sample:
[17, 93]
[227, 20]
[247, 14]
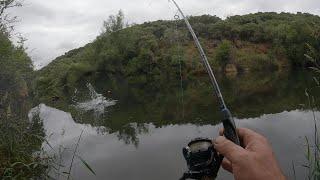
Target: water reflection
[141, 136]
[158, 155]
[247, 96]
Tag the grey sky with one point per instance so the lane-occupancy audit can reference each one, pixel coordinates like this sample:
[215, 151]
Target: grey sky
[54, 27]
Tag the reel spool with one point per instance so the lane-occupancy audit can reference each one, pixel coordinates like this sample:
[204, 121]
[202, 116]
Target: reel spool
[202, 159]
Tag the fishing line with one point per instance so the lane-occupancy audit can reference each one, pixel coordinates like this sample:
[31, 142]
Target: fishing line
[172, 10]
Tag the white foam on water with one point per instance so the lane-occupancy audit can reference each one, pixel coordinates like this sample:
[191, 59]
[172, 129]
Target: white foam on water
[97, 102]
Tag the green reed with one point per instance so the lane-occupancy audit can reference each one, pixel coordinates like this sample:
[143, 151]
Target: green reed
[20, 140]
[313, 147]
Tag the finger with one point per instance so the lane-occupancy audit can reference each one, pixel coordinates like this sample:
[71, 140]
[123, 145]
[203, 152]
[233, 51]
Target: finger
[226, 164]
[228, 149]
[247, 135]
[221, 132]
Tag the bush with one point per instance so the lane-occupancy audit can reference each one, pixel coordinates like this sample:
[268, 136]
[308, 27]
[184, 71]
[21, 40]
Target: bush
[254, 61]
[223, 53]
[77, 71]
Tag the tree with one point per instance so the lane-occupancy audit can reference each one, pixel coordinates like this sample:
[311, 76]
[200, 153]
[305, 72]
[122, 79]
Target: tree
[114, 23]
[6, 21]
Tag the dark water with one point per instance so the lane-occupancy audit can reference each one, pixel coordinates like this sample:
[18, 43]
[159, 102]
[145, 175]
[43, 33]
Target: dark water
[141, 135]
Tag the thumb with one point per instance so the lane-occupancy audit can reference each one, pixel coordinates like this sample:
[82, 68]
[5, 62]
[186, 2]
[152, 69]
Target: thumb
[228, 149]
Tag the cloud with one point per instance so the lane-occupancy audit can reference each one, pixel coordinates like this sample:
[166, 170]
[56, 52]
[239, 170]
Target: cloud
[54, 27]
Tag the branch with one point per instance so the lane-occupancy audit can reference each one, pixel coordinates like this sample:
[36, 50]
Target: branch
[6, 21]
[7, 4]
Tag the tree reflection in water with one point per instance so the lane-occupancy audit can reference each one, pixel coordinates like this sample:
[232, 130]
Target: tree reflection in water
[248, 96]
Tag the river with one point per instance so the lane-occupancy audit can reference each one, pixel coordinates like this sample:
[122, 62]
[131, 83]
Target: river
[135, 133]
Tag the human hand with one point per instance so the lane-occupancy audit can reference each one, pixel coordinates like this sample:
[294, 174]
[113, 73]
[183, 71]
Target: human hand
[254, 161]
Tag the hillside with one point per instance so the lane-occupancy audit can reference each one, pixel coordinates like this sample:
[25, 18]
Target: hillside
[150, 54]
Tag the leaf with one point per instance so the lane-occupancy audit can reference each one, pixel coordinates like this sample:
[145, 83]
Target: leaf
[309, 58]
[35, 165]
[308, 148]
[306, 92]
[316, 80]
[86, 164]
[17, 163]
[315, 69]
[43, 139]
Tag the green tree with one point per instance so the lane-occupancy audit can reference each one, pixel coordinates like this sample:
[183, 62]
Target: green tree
[113, 23]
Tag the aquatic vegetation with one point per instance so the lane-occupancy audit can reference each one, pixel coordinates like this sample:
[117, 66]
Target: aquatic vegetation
[53, 148]
[313, 144]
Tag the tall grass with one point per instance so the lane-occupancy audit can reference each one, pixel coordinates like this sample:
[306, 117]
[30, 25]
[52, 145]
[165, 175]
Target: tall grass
[313, 147]
[21, 152]
[60, 169]
[19, 140]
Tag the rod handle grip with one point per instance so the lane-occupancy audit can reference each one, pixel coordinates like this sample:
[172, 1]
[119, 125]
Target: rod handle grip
[230, 130]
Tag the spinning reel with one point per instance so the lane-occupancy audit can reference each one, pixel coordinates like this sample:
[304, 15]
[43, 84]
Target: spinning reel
[202, 159]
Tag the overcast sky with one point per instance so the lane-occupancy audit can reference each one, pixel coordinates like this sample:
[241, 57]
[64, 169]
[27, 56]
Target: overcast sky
[56, 26]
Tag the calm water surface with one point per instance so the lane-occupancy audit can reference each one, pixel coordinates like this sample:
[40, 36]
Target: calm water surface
[141, 134]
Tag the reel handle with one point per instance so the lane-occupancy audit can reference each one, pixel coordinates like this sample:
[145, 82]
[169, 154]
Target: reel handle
[229, 126]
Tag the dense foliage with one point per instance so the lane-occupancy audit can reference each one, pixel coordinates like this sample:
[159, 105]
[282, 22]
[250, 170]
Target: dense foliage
[19, 137]
[16, 67]
[148, 55]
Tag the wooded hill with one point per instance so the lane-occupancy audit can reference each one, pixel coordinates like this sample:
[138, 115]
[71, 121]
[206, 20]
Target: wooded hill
[150, 54]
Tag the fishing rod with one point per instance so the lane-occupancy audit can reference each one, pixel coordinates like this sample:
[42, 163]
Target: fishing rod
[198, 168]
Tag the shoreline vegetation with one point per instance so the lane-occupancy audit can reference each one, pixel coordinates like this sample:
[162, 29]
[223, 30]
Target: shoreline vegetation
[144, 56]
[19, 137]
[149, 54]
[313, 143]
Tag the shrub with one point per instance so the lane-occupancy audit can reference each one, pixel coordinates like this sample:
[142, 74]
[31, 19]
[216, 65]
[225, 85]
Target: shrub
[223, 53]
